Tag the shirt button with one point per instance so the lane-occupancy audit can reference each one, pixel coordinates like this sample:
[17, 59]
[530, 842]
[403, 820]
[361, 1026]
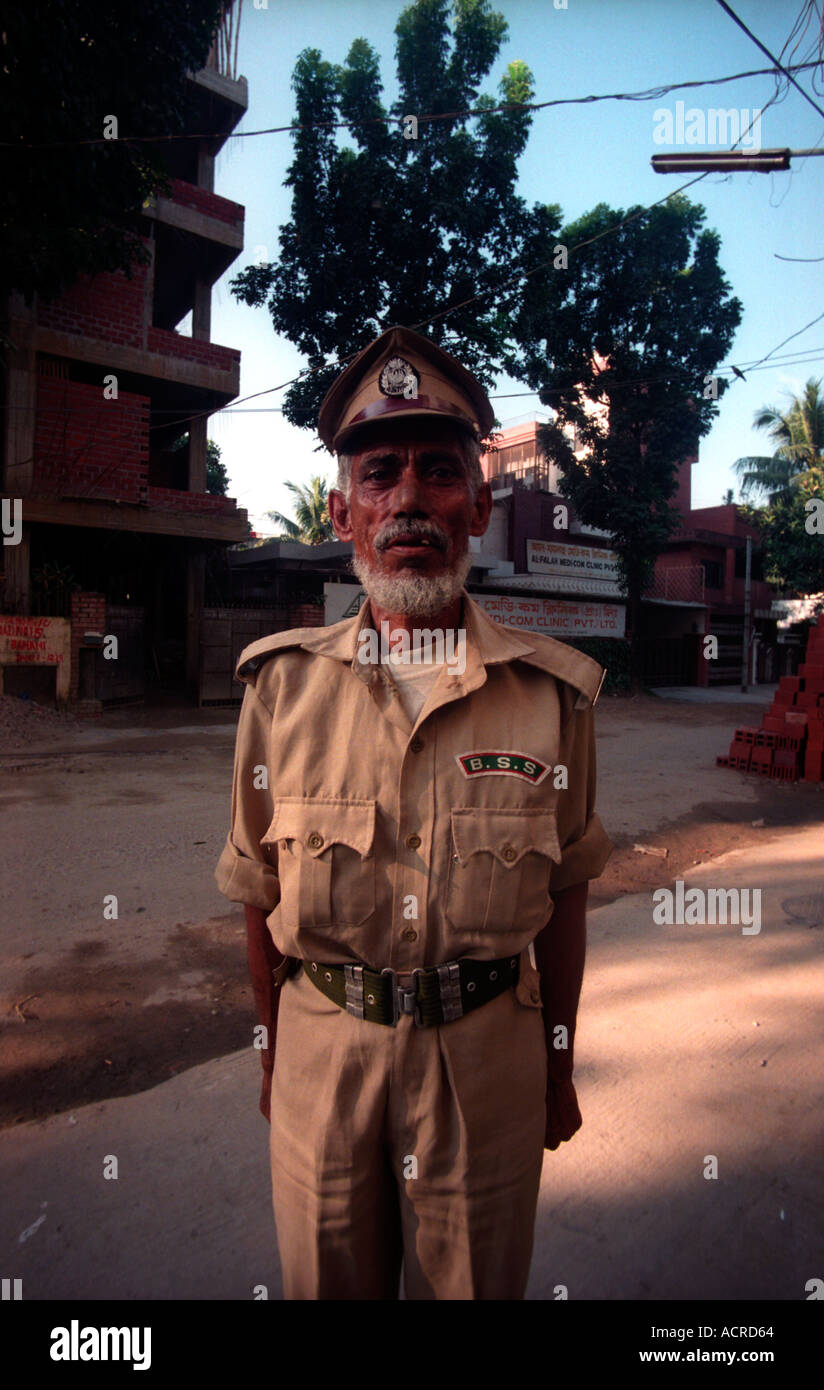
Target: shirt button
[509, 853]
[413, 841]
[314, 841]
[410, 934]
[416, 744]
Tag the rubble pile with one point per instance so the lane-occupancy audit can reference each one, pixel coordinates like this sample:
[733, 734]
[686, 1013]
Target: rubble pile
[24, 720]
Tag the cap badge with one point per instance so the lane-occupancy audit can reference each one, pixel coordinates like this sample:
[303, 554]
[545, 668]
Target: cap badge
[399, 378]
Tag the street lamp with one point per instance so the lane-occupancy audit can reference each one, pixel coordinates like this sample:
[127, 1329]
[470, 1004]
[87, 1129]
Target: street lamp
[702, 162]
[726, 161]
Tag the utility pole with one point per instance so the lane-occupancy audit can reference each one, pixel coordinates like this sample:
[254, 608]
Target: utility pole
[745, 654]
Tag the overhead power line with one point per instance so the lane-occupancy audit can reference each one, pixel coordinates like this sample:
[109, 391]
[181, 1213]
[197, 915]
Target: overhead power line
[429, 117]
[786, 72]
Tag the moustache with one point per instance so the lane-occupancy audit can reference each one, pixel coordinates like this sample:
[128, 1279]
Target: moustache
[396, 529]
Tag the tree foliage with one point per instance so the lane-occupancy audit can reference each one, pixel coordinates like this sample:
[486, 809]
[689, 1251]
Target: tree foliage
[622, 345]
[798, 434]
[66, 65]
[312, 525]
[387, 229]
[217, 479]
[793, 539]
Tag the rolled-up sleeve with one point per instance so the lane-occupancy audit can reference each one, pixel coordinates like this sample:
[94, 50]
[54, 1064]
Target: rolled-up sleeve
[244, 873]
[585, 845]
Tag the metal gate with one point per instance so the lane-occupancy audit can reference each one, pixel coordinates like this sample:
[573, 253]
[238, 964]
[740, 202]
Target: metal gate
[124, 678]
[224, 632]
[668, 660]
[726, 668]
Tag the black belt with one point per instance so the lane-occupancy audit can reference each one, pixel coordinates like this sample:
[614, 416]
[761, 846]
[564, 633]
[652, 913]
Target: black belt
[437, 995]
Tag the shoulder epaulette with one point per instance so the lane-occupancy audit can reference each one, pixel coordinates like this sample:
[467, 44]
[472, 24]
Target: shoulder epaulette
[567, 664]
[253, 656]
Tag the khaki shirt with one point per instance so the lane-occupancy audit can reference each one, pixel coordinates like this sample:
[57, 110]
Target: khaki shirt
[367, 838]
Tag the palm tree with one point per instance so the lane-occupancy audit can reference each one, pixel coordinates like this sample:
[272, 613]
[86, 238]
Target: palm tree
[313, 525]
[799, 436]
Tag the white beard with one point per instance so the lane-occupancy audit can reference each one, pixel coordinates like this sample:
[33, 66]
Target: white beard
[417, 595]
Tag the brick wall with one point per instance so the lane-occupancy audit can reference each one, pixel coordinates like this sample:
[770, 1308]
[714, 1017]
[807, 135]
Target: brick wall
[171, 344]
[210, 204]
[304, 615]
[168, 499]
[108, 306]
[87, 446]
[88, 615]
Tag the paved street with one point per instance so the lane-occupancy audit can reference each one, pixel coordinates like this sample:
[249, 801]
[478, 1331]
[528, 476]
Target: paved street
[717, 694]
[693, 1041]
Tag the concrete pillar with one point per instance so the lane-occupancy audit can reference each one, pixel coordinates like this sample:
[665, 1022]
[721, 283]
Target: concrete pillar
[17, 586]
[197, 453]
[202, 311]
[195, 586]
[205, 169]
[20, 392]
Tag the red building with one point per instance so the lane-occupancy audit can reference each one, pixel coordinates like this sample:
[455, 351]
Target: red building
[105, 436]
[698, 588]
[703, 570]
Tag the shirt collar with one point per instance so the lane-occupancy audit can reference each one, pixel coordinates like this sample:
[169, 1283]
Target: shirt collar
[490, 641]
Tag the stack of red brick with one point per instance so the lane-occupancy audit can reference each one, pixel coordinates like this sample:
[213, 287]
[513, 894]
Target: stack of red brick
[790, 743]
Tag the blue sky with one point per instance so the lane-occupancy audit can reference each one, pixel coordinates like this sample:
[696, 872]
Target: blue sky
[577, 156]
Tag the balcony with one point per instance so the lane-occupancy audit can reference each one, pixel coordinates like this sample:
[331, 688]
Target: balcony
[678, 584]
[193, 361]
[197, 236]
[201, 213]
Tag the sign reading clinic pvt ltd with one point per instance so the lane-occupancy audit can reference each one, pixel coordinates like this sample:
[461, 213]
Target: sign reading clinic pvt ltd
[557, 617]
[598, 567]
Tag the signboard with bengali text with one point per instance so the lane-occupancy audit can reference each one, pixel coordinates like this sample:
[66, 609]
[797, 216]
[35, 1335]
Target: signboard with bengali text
[28, 641]
[556, 617]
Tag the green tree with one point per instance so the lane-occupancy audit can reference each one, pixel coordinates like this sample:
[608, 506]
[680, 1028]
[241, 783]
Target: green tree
[622, 345]
[793, 539]
[798, 434]
[217, 479]
[312, 525]
[65, 66]
[398, 229]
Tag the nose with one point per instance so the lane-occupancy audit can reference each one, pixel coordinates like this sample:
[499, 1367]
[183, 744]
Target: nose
[408, 494]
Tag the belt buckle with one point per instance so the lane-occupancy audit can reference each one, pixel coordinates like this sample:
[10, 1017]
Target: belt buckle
[404, 997]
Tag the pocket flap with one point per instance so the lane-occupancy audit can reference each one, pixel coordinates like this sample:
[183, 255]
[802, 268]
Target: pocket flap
[508, 834]
[321, 821]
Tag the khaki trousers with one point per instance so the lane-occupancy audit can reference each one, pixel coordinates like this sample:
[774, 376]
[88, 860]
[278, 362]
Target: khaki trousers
[409, 1146]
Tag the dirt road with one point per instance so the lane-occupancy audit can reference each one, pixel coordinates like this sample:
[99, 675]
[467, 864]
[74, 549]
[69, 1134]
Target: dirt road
[696, 1175]
[137, 806]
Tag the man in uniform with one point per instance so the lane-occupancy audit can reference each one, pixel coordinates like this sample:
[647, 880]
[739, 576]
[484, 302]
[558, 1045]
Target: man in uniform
[412, 839]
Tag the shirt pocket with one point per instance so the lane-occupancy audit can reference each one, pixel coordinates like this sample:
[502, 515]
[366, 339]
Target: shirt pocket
[326, 862]
[500, 869]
